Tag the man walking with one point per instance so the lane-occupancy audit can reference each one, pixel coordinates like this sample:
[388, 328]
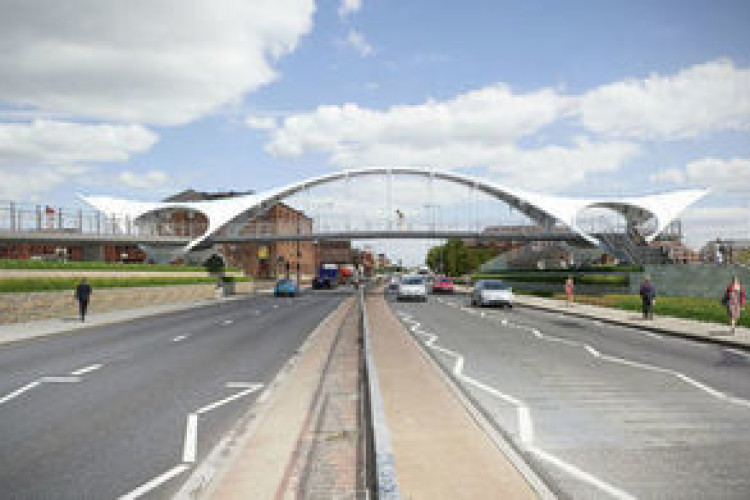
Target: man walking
[82, 295]
[648, 297]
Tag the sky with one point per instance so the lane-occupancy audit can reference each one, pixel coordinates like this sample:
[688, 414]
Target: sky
[144, 98]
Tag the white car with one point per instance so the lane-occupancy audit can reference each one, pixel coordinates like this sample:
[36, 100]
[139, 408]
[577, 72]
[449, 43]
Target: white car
[492, 293]
[412, 288]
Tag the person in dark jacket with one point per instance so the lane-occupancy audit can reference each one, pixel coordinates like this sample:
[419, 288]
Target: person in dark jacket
[648, 297]
[82, 295]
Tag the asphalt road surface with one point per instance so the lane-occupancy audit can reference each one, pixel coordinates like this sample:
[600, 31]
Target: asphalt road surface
[601, 411]
[131, 408]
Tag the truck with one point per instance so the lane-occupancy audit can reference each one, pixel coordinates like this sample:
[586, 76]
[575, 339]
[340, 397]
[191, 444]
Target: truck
[328, 277]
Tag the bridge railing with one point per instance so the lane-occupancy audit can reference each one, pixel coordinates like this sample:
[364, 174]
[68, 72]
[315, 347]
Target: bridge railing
[18, 217]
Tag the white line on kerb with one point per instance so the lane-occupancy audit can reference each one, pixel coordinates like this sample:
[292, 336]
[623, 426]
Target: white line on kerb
[86, 369]
[154, 483]
[585, 476]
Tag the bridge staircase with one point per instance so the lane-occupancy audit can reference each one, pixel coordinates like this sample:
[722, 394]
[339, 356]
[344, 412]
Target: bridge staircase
[631, 247]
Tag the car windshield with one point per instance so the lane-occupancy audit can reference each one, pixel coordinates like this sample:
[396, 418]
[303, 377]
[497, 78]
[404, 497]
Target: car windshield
[412, 281]
[445, 280]
[494, 285]
[285, 282]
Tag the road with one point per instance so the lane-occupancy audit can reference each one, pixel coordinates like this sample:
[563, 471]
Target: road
[131, 408]
[601, 411]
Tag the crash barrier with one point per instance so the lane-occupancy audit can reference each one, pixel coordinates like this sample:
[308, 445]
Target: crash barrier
[379, 462]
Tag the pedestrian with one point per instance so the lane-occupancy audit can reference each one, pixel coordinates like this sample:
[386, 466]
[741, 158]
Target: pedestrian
[648, 297]
[734, 299]
[569, 288]
[82, 295]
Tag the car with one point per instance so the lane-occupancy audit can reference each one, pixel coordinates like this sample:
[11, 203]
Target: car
[286, 287]
[491, 293]
[320, 283]
[442, 285]
[393, 283]
[412, 288]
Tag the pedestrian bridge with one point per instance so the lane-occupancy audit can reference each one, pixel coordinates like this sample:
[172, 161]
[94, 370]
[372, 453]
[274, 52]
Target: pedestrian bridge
[236, 219]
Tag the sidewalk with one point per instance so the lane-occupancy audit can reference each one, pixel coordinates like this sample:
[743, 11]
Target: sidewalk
[439, 450]
[696, 330]
[15, 332]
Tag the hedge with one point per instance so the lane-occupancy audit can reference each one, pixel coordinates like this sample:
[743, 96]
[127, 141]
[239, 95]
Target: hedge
[19, 285]
[98, 266]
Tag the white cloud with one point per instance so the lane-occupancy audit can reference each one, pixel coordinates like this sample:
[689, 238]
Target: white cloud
[64, 143]
[707, 97]
[670, 176]
[261, 122]
[30, 181]
[357, 41]
[38, 156]
[156, 61]
[727, 175]
[483, 118]
[151, 180]
[348, 7]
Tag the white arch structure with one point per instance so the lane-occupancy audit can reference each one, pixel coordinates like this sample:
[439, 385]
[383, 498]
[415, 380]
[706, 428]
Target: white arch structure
[545, 209]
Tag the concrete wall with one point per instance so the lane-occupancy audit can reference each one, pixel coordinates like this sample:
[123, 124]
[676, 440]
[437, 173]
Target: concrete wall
[691, 280]
[22, 307]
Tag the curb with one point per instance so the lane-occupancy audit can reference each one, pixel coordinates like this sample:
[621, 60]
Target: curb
[651, 328]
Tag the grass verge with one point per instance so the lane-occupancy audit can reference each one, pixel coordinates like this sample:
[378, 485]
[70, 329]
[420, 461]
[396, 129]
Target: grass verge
[696, 308]
[98, 266]
[21, 285]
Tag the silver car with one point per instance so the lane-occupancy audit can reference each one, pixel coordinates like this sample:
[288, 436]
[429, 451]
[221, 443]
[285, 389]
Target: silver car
[412, 288]
[492, 293]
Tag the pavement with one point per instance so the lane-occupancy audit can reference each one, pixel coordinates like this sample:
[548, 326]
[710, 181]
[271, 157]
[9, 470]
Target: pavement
[695, 330]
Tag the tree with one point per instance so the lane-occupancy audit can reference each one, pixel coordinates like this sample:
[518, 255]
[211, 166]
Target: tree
[456, 259]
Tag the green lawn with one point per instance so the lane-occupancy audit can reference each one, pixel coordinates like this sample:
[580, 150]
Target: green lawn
[701, 309]
[23, 264]
[20, 285]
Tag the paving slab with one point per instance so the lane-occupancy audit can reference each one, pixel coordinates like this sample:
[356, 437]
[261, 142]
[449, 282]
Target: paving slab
[440, 452]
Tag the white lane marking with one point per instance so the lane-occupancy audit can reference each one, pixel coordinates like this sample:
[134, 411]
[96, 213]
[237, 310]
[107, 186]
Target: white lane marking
[86, 369]
[249, 390]
[37, 383]
[643, 366]
[156, 482]
[59, 380]
[227, 322]
[19, 391]
[593, 351]
[179, 338]
[190, 446]
[525, 422]
[582, 475]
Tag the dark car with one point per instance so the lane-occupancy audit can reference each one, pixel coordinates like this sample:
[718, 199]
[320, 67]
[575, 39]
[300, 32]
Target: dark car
[320, 283]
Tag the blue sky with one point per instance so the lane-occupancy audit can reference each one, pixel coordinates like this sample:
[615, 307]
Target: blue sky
[579, 98]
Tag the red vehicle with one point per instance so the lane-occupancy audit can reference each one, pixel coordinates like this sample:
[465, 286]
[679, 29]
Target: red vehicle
[442, 285]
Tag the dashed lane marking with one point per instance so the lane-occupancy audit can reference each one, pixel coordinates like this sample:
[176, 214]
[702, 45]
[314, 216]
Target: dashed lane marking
[179, 338]
[86, 369]
[37, 383]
